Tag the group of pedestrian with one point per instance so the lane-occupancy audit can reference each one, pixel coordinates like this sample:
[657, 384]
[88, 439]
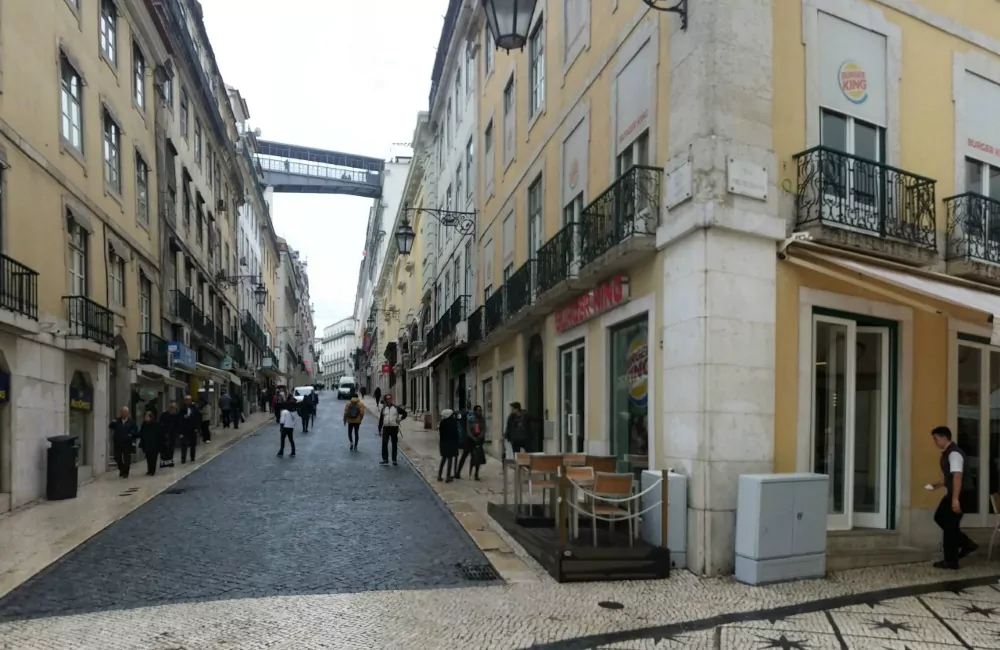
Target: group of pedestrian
[157, 438]
[231, 410]
[461, 436]
[287, 410]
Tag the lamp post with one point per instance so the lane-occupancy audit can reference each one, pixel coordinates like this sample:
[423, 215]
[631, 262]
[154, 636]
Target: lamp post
[509, 22]
[679, 7]
[464, 222]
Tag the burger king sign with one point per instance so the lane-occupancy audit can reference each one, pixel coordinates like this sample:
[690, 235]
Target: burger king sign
[853, 82]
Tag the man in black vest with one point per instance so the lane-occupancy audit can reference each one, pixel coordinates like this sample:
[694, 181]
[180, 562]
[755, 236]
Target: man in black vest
[949, 512]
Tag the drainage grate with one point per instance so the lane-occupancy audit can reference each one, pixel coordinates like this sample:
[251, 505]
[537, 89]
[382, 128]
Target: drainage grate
[478, 572]
[610, 604]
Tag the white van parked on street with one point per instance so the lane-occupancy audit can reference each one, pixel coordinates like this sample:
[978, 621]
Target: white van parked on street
[345, 387]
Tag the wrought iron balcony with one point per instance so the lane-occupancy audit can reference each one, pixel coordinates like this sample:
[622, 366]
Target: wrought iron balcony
[183, 306]
[203, 326]
[89, 320]
[451, 318]
[236, 353]
[18, 287]
[520, 288]
[558, 259]
[153, 350]
[253, 330]
[495, 310]
[973, 227]
[432, 337]
[476, 325]
[846, 191]
[629, 207]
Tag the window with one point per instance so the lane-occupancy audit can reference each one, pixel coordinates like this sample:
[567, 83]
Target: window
[469, 168]
[636, 153]
[184, 113]
[489, 52]
[534, 217]
[199, 227]
[458, 185]
[573, 210]
[508, 97]
[488, 156]
[145, 304]
[109, 31]
[116, 278]
[168, 93]
[536, 64]
[447, 289]
[469, 60]
[141, 189]
[469, 289]
[447, 198]
[197, 141]
[186, 208]
[507, 271]
[112, 153]
[509, 122]
[861, 140]
[982, 178]
[487, 292]
[72, 102]
[456, 278]
[138, 77]
[458, 96]
[77, 258]
[447, 129]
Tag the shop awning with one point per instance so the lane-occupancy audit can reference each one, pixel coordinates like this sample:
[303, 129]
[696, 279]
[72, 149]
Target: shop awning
[427, 363]
[217, 374]
[944, 290]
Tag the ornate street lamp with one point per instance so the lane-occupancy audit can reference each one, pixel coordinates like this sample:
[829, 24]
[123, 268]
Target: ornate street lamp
[679, 7]
[464, 222]
[260, 295]
[509, 22]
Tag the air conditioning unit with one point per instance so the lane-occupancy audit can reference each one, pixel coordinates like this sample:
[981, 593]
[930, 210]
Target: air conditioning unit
[462, 332]
[220, 205]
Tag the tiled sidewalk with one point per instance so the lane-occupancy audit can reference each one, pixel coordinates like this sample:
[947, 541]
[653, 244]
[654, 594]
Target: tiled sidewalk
[36, 535]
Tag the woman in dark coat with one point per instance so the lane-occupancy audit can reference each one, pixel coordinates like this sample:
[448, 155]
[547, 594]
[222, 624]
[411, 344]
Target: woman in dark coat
[172, 427]
[150, 441]
[450, 433]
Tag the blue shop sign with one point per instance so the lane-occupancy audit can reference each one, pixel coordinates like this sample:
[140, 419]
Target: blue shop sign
[4, 387]
[182, 355]
[227, 363]
[81, 399]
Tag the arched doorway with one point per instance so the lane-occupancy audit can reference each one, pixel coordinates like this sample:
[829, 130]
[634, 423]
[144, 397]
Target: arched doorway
[534, 399]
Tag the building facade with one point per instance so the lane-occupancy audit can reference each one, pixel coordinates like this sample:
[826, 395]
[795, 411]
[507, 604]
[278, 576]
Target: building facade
[336, 351]
[293, 345]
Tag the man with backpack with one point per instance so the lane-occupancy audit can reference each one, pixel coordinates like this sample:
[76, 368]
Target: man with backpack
[389, 418]
[354, 412]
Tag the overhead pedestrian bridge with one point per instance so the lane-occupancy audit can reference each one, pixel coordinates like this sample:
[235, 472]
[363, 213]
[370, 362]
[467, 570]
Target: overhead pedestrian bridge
[305, 170]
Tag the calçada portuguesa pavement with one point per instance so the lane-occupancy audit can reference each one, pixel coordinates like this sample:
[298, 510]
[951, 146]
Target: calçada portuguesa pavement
[331, 550]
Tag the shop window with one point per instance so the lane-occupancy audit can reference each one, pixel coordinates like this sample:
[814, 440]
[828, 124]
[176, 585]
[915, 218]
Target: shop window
[629, 413]
[81, 408]
[978, 428]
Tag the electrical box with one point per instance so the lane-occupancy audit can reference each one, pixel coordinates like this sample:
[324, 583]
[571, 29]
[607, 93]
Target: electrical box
[781, 527]
[677, 485]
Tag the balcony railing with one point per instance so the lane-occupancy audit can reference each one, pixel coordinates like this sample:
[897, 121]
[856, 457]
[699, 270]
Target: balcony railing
[236, 353]
[559, 258]
[973, 227]
[494, 316]
[18, 287]
[630, 207]
[846, 191]
[153, 350]
[476, 325]
[183, 306]
[253, 330]
[89, 320]
[451, 318]
[520, 288]
[220, 338]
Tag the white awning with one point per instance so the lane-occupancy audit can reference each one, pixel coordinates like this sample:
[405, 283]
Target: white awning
[945, 290]
[217, 374]
[427, 363]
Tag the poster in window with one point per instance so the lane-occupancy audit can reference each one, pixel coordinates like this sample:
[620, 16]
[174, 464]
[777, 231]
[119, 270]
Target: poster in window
[852, 70]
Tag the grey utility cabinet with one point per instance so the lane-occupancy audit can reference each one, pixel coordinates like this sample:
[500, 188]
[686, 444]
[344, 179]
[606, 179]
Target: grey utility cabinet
[781, 527]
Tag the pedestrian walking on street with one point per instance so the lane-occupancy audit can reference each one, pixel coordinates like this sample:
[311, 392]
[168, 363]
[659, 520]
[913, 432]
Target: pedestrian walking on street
[472, 444]
[236, 409]
[150, 439]
[171, 426]
[225, 406]
[949, 512]
[190, 428]
[305, 412]
[276, 403]
[448, 444]
[354, 413]
[517, 429]
[363, 391]
[123, 435]
[378, 396]
[389, 418]
[286, 422]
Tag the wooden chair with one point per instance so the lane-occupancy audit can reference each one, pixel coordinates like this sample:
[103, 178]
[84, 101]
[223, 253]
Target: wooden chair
[574, 460]
[616, 486]
[606, 464]
[544, 466]
[995, 501]
[584, 477]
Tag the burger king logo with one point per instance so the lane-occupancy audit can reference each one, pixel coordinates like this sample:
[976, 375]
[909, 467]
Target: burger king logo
[853, 82]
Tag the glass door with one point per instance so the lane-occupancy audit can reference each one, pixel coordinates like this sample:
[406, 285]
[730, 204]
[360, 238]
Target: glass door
[571, 397]
[978, 429]
[850, 420]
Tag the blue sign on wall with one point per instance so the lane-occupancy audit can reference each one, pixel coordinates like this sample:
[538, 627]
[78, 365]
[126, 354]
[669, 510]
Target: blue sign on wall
[182, 355]
[81, 399]
[4, 387]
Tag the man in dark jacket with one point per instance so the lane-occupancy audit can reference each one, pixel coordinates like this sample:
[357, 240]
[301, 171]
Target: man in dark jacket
[123, 435]
[517, 428]
[305, 408]
[171, 424]
[226, 409]
[190, 428]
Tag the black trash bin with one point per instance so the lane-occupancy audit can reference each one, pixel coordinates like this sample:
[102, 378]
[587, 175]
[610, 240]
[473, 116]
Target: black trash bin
[61, 479]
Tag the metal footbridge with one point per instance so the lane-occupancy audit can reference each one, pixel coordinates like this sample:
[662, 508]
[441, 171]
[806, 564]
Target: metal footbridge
[305, 170]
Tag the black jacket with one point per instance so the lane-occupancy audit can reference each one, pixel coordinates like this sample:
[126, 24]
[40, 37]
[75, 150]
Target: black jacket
[123, 433]
[190, 420]
[449, 432]
[150, 438]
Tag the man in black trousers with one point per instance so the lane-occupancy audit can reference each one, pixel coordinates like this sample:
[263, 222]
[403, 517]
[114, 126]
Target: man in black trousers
[123, 435]
[949, 512]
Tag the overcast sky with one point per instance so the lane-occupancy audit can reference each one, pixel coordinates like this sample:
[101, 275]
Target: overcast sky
[347, 75]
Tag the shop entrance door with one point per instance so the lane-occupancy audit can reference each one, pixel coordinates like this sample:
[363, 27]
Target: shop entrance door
[978, 429]
[572, 396]
[851, 420]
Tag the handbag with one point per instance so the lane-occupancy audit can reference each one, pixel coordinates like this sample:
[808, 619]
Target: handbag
[478, 455]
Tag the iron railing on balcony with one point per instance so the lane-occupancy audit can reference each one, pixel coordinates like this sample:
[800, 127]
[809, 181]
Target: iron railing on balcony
[839, 189]
[973, 227]
[18, 287]
[452, 317]
[629, 207]
[236, 353]
[431, 336]
[253, 330]
[476, 325]
[520, 288]
[183, 306]
[153, 350]
[220, 338]
[89, 320]
[559, 258]
[203, 325]
[494, 315]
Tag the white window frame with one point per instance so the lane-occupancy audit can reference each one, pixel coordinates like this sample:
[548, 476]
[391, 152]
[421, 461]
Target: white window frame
[470, 160]
[536, 207]
[138, 77]
[78, 262]
[71, 104]
[112, 148]
[108, 29]
[536, 68]
[141, 189]
[116, 278]
[145, 303]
